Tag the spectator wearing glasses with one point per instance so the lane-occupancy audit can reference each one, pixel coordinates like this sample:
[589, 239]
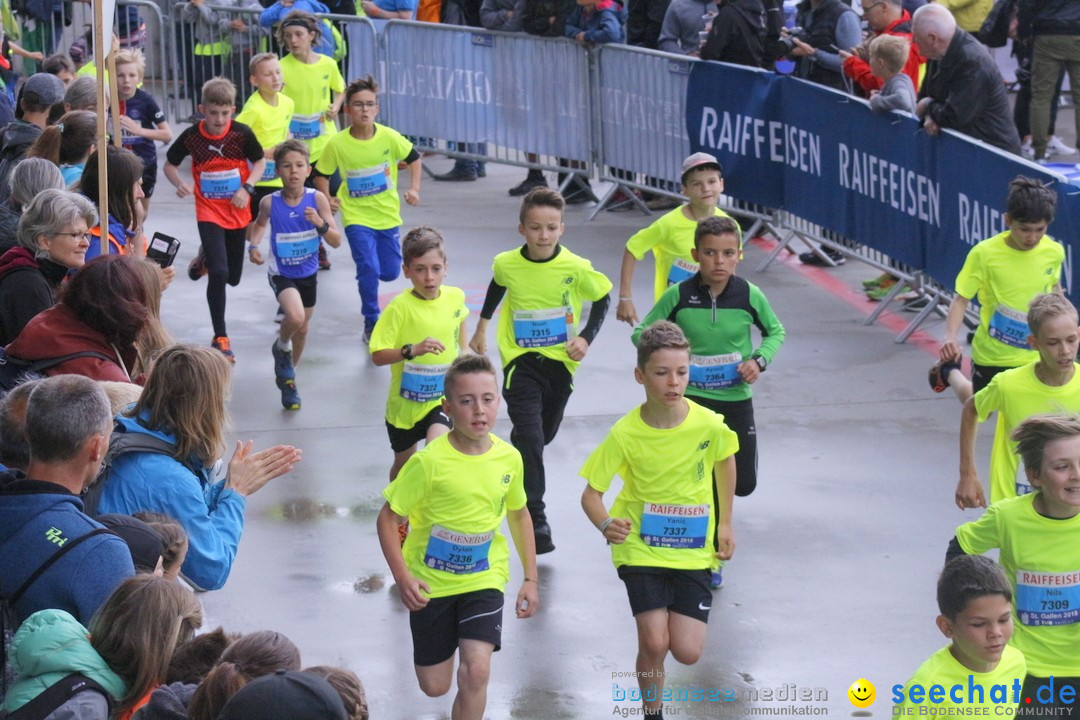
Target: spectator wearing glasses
[884, 17]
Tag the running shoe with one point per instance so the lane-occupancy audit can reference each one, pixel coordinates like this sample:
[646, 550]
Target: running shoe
[876, 282]
[542, 534]
[878, 294]
[812, 258]
[716, 578]
[939, 375]
[531, 181]
[283, 367]
[324, 261]
[221, 344]
[197, 267]
[1057, 147]
[290, 398]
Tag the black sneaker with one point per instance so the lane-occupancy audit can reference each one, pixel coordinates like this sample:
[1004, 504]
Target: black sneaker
[939, 375]
[197, 267]
[283, 367]
[542, 534]
[812, 258]
[456, 176]
[529, 183]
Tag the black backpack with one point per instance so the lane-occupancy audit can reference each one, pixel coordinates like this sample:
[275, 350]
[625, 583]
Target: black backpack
[14, 371]
[9, 621]
[121, 443]
[56, 695]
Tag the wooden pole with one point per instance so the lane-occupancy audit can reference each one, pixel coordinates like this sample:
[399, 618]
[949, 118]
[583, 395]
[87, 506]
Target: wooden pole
[103, 138]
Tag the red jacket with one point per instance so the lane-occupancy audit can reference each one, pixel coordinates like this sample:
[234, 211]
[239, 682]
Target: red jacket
[859, 70]
[56, 332]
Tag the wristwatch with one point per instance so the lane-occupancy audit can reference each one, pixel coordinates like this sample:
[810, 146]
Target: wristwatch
[248, 188]
[762, 363]
[406, 351]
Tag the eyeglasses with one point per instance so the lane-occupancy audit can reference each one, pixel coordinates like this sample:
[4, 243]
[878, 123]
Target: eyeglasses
[866, 10]
[364, 104]
[75, 235]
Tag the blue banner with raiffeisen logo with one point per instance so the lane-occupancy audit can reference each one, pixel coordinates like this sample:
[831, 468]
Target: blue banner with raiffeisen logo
[876, 178]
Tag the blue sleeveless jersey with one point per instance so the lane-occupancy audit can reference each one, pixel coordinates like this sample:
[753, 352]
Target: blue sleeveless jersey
[294, 242]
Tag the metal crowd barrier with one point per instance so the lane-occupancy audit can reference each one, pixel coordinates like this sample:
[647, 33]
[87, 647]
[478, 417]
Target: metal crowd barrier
[489, 96]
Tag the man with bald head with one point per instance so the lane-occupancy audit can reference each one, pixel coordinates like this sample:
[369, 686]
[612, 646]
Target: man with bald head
[963, 89]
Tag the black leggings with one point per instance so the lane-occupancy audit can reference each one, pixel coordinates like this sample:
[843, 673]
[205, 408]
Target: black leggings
[224, 253]
[739, 416]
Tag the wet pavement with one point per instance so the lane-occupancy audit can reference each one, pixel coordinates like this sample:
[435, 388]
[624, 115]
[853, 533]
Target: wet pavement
[838, 550]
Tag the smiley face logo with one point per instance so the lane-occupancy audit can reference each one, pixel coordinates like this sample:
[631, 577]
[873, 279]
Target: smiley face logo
[862, 693]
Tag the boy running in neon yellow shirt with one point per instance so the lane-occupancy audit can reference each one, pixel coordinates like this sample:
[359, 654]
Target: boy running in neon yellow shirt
[453, 568]
[669, 452]
[268, 112]
[978, 669]
[1049, 385]
[419, 334]
[366, 155]
[1038, 535]
[545, 286]
[1003, 273]
[671, 238]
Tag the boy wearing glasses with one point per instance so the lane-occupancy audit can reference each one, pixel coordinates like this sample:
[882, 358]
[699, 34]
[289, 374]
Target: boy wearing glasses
[367, 154]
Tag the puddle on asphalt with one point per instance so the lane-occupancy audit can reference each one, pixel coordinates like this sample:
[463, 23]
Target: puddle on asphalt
[306, 509]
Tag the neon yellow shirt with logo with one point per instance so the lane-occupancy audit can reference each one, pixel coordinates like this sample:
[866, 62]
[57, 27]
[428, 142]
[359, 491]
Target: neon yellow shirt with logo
[542, 308]
[1016, 395]
[944, 670]
[416, 386]
[309, 86]
[369, 173]
[1041, 558]
[671, 238]
[1005, 281]
[456, 504]
[667, 491]
[271, 127]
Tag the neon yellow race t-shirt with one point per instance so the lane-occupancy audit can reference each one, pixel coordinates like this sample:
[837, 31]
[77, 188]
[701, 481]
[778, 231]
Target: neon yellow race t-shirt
[309, 87]
[671, 238]
[369, 172]
[1005, 281]
[667, 491]
[1016, 395]
[456, 504]
[1041, 558]
[271, 127]
[416, 386]
[543, 301]
[944, 670]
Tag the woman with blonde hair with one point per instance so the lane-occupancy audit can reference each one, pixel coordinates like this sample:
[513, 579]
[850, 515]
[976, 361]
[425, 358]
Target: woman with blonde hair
[126, 650]
[183, 404]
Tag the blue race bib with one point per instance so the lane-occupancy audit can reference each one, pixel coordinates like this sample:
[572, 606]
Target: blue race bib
[219, 185]
[542, 328]
[678, 527]
[295, 247]
[367, 182]
[270, 172]
[681, 270]
[714, 372]
[1047, 598]
[1010, 327]
[457, 553]
[306, 127]
[422, 383]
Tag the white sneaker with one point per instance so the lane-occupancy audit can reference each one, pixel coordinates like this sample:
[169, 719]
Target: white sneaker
[1026, 150]
[1056, 147]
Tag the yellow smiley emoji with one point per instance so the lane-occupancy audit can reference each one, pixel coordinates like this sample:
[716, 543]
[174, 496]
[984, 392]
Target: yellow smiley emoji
[862, 693]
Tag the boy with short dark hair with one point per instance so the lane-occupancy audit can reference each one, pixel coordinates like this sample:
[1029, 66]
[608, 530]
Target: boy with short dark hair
[225, 155]
[299, 218]
[975, 601]
[419, 334]
[539, 342]
[1003, 273]
[716, 309]
[1048, 385]
[367, 155]
[453, 567]
[1038, 536]
[676, 460]
[671, 237]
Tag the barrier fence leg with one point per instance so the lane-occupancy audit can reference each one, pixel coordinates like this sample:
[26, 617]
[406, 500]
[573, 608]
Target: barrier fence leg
[780, 247]
[933, 306]
[603, 202]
